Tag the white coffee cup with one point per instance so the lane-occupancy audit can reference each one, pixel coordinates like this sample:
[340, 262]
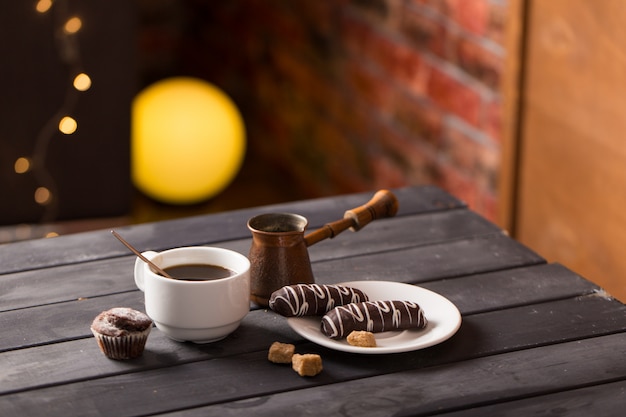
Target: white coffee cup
[196, 311]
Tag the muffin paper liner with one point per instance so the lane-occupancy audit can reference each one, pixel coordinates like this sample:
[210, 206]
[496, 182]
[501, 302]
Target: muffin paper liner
[122, 347]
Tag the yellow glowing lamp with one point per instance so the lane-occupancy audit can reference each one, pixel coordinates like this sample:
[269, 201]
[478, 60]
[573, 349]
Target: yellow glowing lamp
[188, 140]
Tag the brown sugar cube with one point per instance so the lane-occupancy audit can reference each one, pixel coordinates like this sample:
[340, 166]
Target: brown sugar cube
[308, 364]
[361, 338]
[281, 352]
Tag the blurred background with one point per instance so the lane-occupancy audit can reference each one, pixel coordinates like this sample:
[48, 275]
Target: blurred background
[514, 106]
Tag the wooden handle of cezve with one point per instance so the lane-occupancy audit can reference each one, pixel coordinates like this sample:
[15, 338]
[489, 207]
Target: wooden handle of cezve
[383, 204]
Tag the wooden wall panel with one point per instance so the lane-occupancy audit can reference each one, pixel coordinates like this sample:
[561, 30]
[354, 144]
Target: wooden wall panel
[507, 187]
[572, 175]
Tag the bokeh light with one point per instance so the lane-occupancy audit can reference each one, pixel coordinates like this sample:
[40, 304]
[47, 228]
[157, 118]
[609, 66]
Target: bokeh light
[188, 140]
[22, 165]
[43, 6]
[73, 25]
[82, 82]
[68, 125]
[43, 196]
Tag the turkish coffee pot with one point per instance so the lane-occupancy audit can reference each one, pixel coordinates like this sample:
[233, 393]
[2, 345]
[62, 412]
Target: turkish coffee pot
[279, 255]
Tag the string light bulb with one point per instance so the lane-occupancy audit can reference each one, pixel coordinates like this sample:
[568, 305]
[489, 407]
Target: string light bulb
[22, 165]
[68, 125]
[82, 82]
[43, 196]
[43, 6]
[72, 25]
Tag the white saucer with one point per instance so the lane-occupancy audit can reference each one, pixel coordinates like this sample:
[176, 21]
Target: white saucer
[443, 318]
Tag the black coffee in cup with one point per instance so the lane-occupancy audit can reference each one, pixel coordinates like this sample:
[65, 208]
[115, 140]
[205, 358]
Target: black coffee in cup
[198, 272]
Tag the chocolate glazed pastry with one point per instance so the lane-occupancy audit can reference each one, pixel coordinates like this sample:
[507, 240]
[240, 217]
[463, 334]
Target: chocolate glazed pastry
[313, 299]
[372, 316]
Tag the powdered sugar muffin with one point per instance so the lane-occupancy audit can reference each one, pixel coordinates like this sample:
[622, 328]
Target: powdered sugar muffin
[121, 332]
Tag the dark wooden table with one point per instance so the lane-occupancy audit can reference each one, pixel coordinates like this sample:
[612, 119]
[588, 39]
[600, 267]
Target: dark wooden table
[536, 338]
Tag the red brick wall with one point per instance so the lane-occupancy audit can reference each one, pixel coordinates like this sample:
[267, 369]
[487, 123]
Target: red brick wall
[357, 95]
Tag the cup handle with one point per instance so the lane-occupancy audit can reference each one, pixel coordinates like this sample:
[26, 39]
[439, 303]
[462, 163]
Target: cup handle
[139, 268]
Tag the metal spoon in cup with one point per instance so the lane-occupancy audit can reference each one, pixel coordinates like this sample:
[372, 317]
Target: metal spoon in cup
[143, 258]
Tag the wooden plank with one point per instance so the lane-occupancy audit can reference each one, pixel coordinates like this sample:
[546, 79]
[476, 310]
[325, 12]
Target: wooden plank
[63, 321]
[599, 400]
[398, 233]
[66, 283]
[408, 389]
[101, 277]
[510, 288]
[480, 335]
[434, 390]
[200, 230]
[426, 263]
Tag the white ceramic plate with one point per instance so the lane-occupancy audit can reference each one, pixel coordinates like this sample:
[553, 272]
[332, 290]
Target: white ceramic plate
[443, 318]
